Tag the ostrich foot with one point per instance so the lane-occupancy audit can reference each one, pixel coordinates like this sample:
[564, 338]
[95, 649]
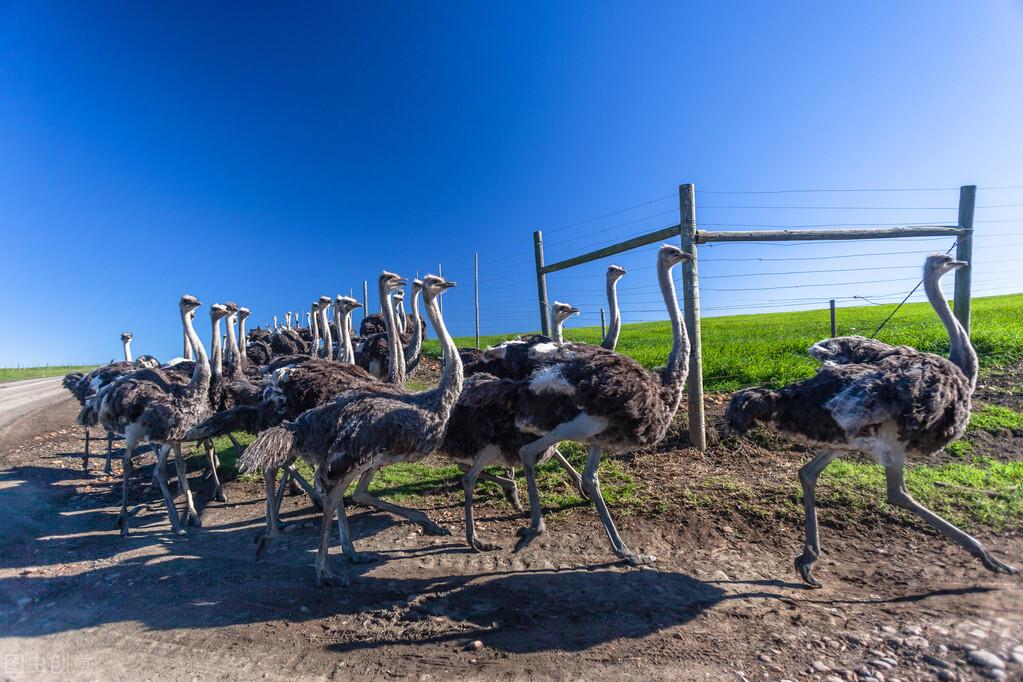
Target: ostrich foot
[122, 524]
[218, 495]
[528, 534]
[478, 545]
[431, 528]
[994, 565]
[263, 544]
[634, 559]
[192, 518]
[804, 564]
[363, 557]
[326, 578]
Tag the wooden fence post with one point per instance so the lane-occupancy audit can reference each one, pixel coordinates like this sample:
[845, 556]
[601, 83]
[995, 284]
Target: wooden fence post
[541, 284]
[691, 302]
[834, 328]
[365, 299]
[476, 291]
[602, 332]
[964, 251]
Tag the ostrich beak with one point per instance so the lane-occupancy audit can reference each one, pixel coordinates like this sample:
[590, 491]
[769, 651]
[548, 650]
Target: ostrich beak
[956, 264]
[448, 285]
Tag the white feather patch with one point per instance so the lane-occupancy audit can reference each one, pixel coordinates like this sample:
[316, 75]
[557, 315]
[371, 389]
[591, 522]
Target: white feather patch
[543, 349]
[550, 379]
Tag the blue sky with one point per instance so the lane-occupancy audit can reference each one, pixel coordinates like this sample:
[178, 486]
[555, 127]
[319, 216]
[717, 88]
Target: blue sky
[276, 153]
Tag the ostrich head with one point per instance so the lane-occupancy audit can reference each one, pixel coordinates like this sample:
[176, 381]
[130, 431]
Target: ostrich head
[417, 286]
[219, 311]
[125, 337]
[937, 264]
[243, 313]
[188, 304]
[434, 286]
[399, 296]
[562, 311]
[615, 273]
[232, 307]
[391, 282]
[347, 304]
[672, 255]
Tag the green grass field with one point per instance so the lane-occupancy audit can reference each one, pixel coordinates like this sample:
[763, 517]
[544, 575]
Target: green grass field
[18, 373]
[770, 348]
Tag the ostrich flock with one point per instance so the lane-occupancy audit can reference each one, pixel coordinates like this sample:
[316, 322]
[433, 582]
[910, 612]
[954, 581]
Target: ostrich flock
[340, 402]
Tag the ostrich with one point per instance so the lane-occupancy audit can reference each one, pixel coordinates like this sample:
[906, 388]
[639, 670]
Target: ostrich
[287, 320]
[614, 273]
[414, 349]
[314, 313]
[84, 388]
[243, 314]
[149, 405]
[400, 316]
[275, 322]
[364, 429]
[559, 313]
[888, 403]
[609, 401]
[328, 340]
[381, 354]
[343, 307]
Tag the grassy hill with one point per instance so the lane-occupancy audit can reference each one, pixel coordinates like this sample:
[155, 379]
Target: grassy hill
[770, 348]
[18, 373]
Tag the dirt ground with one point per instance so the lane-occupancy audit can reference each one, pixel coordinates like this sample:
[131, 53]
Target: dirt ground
[77, 601]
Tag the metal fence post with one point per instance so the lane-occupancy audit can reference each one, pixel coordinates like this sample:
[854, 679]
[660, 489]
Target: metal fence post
[541, 284]
[691, 301]
[365, 299]
[964, 251]
[834, 326]
[476, 291]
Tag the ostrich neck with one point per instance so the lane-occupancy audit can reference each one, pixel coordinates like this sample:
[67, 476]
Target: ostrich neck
[232, 343]
[961, 352]
[328, 341]
[416, 344]
[200, 382]
[674, 375]
[339, 323]
[395, 360]
[401, 316]
[241, 339]
[442, 399]
[346, 353]
[127, 350]
[187, 352]
[559, 331]
[615, 326]
[218, 358]
[316, 334]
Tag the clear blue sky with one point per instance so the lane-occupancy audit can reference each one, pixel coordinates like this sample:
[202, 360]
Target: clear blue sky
[278, 152]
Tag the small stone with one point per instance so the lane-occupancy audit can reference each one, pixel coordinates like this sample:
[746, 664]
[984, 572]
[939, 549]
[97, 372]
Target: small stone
[912, 630]
[475, 645]
[946, 675]
[833, 678]
[916, 642]
[984, 659]
[977, 633]
[936, 662]
[764, 658]
[820, 667]
[994, 674]
[1017, 656]
[878, 663]
[890, 661]
[888, 629]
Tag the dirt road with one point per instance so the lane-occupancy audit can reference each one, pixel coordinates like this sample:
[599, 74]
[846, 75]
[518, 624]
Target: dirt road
[21, 400]
[77, 601]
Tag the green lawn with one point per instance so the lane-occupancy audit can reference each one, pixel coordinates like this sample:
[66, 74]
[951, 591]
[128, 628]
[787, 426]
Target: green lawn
[18, 373]
[770, 348]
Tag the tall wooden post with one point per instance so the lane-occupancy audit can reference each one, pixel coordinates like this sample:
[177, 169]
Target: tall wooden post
[541, 284]
[834, 328]
[602, 332]
[476, 291]
[365, 299]
[964, 251]
[691, 304]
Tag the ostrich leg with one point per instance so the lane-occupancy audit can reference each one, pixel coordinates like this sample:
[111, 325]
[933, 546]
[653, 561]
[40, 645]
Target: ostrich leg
[110, 452]
[811, 544]
[898, 495]
[363, 497]
[507, 483]
[122, 517]
[469, 485]
[160, 477]
[85, 461]
[271, 513]
[218, 491]
[577, 480]
[593, 488]
[191, 515]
